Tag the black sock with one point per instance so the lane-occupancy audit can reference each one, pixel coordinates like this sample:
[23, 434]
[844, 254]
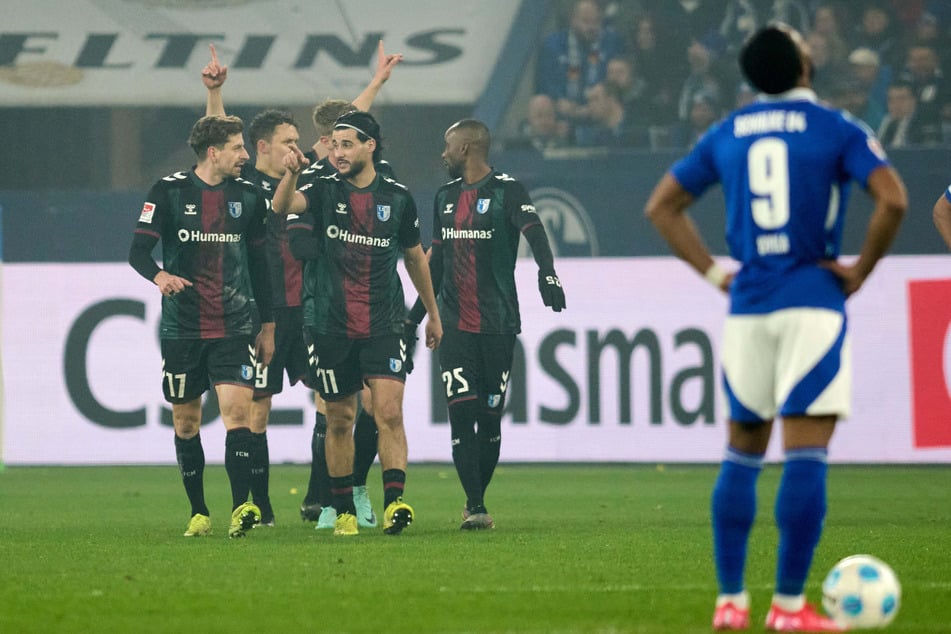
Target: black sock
[394, 481]
[342, 490]
[191, 464]
[465, 450]
[364, 447]
[490, 445]
[260, 473]
[238, 464]
[318, 487]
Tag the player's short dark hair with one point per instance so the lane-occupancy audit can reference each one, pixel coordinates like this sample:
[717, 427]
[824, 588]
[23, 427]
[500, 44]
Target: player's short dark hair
[366, 128]
[213, 130]
[476, 133]
[264, 124]
[770, 61]
[327, 112]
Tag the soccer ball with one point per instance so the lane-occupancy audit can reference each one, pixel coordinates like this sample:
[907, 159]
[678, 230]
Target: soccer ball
[861, 591]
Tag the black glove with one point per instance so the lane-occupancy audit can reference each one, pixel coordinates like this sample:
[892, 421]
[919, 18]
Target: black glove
[551, 291]
[409, 340]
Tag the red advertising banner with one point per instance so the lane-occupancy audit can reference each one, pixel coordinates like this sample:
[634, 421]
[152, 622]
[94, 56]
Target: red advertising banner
[929, 308]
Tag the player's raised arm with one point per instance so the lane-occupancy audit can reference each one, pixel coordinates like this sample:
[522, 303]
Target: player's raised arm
[213, 75]
[287, 200]
[384, 66]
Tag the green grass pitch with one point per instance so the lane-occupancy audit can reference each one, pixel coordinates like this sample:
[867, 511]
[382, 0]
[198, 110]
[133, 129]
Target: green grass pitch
[578, 548]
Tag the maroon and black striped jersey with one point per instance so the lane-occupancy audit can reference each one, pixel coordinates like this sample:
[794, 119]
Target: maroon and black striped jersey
[476, 230]
[351, 287]
[213, 236]
[284, 269]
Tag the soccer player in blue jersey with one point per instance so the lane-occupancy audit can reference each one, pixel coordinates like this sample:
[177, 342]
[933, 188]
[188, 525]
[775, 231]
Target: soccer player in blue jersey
[785, 163]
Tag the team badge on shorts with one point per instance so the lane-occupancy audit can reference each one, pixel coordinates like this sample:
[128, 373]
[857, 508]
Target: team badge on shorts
[395, 365]
[494, 400]
[234, 209]
[383, 212]
[247, 372]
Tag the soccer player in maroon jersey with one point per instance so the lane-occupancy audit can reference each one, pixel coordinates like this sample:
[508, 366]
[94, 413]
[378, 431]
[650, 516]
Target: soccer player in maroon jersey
[272, 133]
[350, 228]
[211, 225]
[478, 219]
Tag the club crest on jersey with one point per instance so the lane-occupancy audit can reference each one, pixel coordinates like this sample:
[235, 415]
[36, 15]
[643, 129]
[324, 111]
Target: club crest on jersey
[494, 400]
[482, 205]
[247, 372]
[191, 210]
[148, 209]
[383, 212]
[395, 365]
[234, 209]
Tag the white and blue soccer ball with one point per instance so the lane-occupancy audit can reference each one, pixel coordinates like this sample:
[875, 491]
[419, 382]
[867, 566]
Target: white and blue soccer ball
[861, 592]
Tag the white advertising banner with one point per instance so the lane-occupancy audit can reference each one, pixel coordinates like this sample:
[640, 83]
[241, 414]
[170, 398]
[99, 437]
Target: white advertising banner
[280, 52]
[629, 372]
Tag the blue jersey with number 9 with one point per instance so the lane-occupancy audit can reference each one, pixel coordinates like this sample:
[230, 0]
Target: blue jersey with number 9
[785, 164]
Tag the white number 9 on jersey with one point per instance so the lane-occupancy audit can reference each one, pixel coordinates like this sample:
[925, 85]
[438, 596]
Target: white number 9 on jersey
[767, 164]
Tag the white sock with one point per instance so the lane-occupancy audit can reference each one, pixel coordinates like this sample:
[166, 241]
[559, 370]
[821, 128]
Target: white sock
[740, 600]
[789, 602]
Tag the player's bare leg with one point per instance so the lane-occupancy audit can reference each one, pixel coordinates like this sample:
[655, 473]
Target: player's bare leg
[388, 412]
[341, 416]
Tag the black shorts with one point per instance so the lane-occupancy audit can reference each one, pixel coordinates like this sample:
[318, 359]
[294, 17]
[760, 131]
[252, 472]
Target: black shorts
[476, 366]
[340, 366]
[191, 366]
[290, 355]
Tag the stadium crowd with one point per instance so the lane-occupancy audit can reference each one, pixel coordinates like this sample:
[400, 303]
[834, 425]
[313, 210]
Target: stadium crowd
[657, 73]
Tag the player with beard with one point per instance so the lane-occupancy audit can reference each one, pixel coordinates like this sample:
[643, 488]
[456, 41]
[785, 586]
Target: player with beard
[478, 220]
[212, 227]
[350, 228]
[272, 134]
